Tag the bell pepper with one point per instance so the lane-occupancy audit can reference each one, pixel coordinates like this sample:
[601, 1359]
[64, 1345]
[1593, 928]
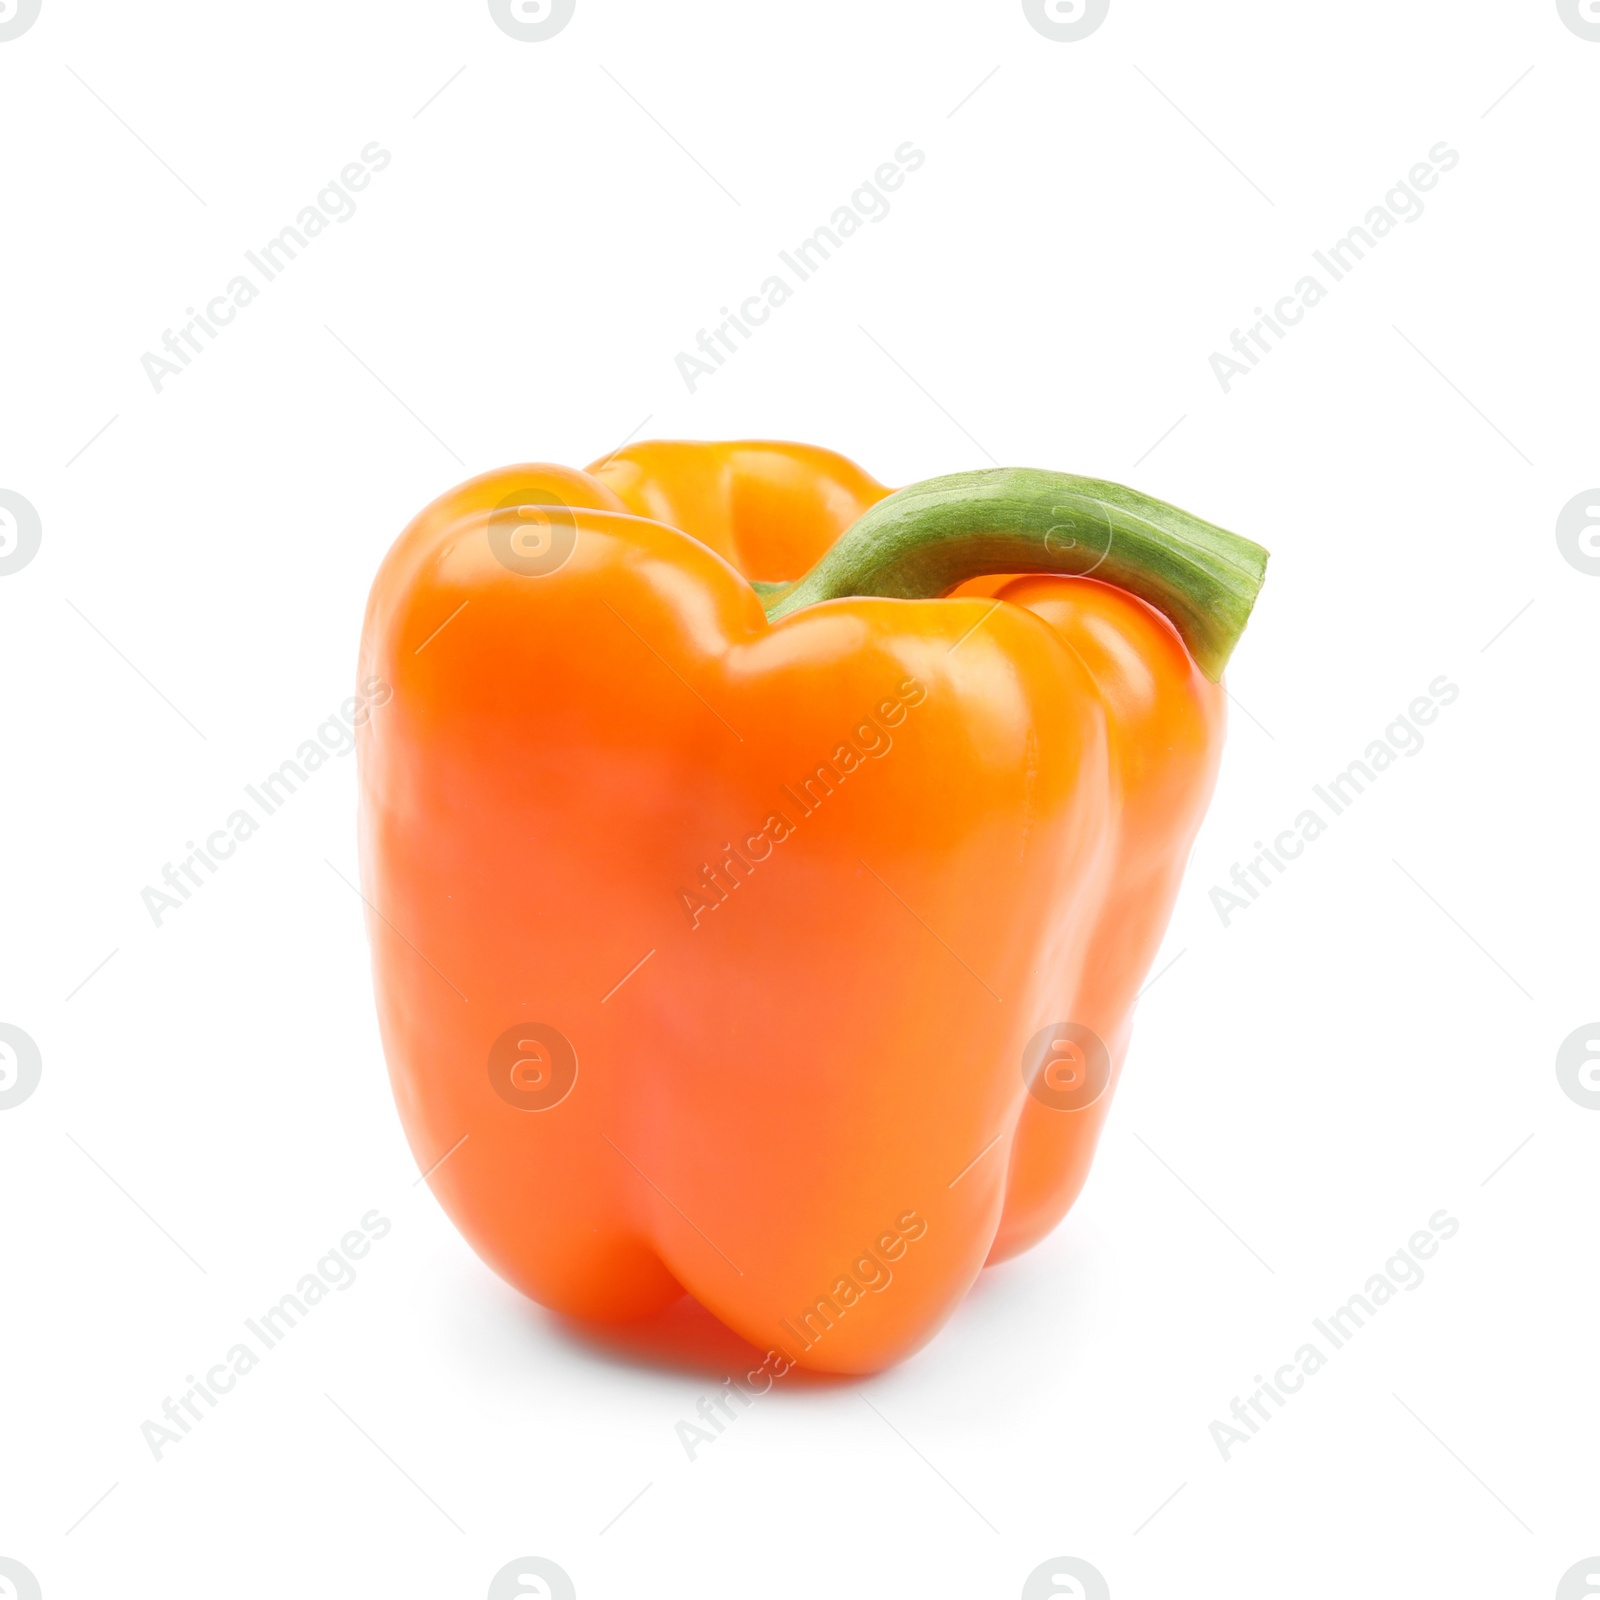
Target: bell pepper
[762, 866]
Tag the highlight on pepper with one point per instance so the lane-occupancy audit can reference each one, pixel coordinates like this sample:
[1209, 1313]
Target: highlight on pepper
[762, 865]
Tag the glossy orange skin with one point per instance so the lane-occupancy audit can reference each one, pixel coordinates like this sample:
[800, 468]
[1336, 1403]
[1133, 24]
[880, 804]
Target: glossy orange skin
[811, 1088]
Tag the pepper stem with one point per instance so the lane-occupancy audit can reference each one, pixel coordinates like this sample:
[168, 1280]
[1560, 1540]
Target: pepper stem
[922, 541]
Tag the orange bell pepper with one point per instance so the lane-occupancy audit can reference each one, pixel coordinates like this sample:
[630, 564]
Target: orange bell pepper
[762, 867]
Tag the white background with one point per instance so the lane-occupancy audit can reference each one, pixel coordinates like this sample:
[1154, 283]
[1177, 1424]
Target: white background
[1369, 1043]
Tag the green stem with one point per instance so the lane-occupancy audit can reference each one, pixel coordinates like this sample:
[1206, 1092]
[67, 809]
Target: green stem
[922, 541]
